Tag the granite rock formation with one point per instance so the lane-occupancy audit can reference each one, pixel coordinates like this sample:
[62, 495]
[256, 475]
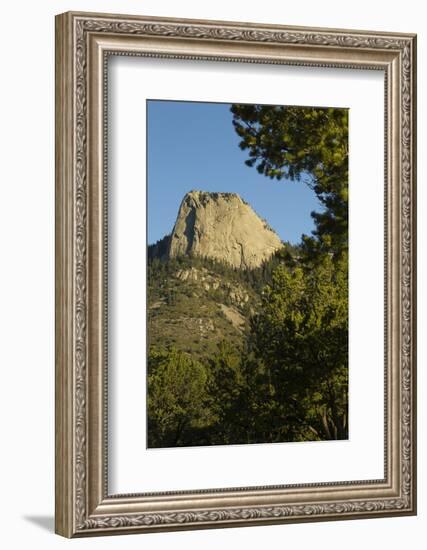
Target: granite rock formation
[223, 227]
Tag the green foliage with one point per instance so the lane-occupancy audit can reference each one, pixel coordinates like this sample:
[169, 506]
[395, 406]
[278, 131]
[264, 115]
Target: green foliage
[186, 314]
[177, 398]
[184, 304]
[302, 142]
[301, 338]
[284, 379]
[226, 387]
[159, 249]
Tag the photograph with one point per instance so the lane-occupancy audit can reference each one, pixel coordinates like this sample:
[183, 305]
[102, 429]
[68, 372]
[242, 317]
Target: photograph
[235, 272]
[247, 273]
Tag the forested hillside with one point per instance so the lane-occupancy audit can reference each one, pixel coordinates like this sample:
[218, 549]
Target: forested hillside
[219, 339]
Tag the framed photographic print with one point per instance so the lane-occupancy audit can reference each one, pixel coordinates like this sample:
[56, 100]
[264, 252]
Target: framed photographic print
[235, 274]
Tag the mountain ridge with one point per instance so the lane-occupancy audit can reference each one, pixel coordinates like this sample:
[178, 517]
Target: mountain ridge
[220, 226]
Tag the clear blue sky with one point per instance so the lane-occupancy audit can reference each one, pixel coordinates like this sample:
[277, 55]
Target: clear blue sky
[193, 146]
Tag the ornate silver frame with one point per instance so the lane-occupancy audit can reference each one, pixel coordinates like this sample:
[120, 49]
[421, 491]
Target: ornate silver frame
[83, 505]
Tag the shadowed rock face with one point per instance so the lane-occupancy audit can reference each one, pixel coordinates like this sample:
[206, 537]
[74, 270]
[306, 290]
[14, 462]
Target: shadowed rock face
[223, 227]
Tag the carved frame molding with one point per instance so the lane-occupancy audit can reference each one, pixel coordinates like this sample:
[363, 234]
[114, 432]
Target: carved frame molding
[83, 42]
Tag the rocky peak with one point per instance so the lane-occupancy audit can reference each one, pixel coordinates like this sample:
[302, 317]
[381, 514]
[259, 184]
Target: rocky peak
[222, 226]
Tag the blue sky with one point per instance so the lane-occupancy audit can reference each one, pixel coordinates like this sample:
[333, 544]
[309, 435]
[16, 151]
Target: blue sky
[193, 146]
